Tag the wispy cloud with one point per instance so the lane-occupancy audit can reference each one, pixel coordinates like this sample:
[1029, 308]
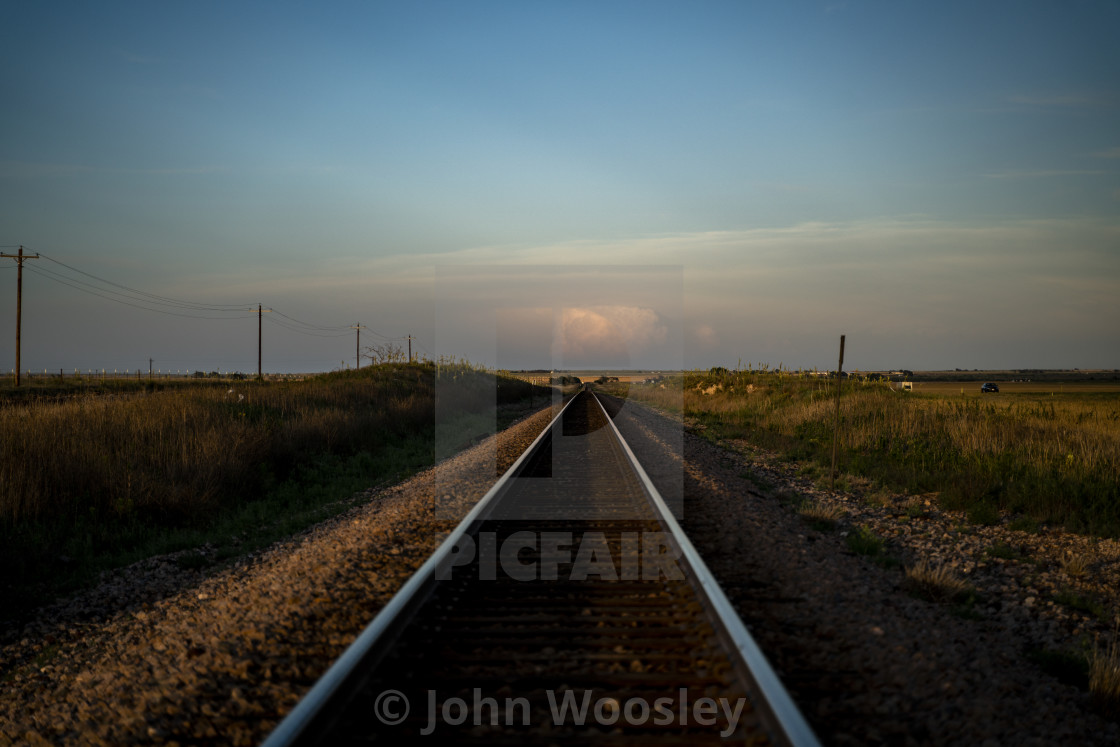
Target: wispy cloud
[24, 170]
[1041, 173]
[172, 171]
[1108, 153]
[1057, 99]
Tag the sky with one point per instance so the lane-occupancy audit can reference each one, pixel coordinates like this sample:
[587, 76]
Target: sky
[562, 185]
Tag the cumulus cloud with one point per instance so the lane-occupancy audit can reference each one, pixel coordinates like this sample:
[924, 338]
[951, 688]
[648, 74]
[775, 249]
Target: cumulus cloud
[608, 335]
[705, 337]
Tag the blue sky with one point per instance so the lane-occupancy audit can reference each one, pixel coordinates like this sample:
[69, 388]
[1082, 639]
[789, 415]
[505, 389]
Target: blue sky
[938, 181]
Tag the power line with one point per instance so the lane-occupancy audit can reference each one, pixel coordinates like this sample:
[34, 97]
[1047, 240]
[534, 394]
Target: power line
[58, 279]
[109, 290]
[155, 298]
[298, 331]
[309, 325]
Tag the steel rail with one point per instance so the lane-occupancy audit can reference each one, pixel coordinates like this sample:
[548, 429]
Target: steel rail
[778, 712]
[410, 596]
[782, 714]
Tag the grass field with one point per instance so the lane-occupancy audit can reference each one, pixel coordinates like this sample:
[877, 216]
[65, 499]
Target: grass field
[1038, 453]
[91, 481]
[972, 389]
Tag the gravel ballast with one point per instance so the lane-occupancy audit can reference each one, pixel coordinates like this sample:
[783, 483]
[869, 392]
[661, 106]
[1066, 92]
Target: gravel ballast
[867, 662]
[157, 654]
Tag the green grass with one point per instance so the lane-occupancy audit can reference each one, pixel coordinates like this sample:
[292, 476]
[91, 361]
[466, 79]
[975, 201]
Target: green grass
[863, 541]
[1004, 551]
[1081, 603]
[1024, 524]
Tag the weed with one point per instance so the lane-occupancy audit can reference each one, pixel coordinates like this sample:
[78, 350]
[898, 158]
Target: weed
[915, 511]
[935, 583]
[984, 514]
[966, 609]
[877, 499]
[889, 562]
[758, 481]
[46, 655]
[820, 516]
[863, 541]
[1075, 565]
[1024, 524]
[1004, 551]
[1104, 677]
[1080, 602]
[791, 498]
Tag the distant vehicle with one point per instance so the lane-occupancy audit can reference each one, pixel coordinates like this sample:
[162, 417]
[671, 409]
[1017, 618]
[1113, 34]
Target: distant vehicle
[989, 387]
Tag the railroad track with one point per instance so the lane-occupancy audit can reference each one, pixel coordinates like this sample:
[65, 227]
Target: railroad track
[567, 606]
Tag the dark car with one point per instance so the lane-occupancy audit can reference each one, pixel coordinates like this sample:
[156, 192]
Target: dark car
[989, 387]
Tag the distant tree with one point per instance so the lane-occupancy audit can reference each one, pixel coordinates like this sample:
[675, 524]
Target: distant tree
[385, 353]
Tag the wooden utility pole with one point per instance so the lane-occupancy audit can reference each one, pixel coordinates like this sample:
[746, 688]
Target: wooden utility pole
[260, 315]
[357, 345]
[836, 430]
[410, 348]
[19, 296]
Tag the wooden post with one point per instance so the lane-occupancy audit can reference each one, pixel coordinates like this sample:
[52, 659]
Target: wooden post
[19, 258]
[836, 430]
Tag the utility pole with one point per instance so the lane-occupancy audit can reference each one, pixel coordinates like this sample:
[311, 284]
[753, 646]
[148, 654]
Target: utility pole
[260, 315]
[410, 348]
[149, 369]
[19, 296]
[836, 431]
[357, 345]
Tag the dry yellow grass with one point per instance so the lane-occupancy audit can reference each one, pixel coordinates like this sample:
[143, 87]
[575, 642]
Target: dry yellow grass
[1054, 458]
[1104, 677]
[820, 514]
[972, 388]
[1076, 565]
[936, 583]
[176, 452]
